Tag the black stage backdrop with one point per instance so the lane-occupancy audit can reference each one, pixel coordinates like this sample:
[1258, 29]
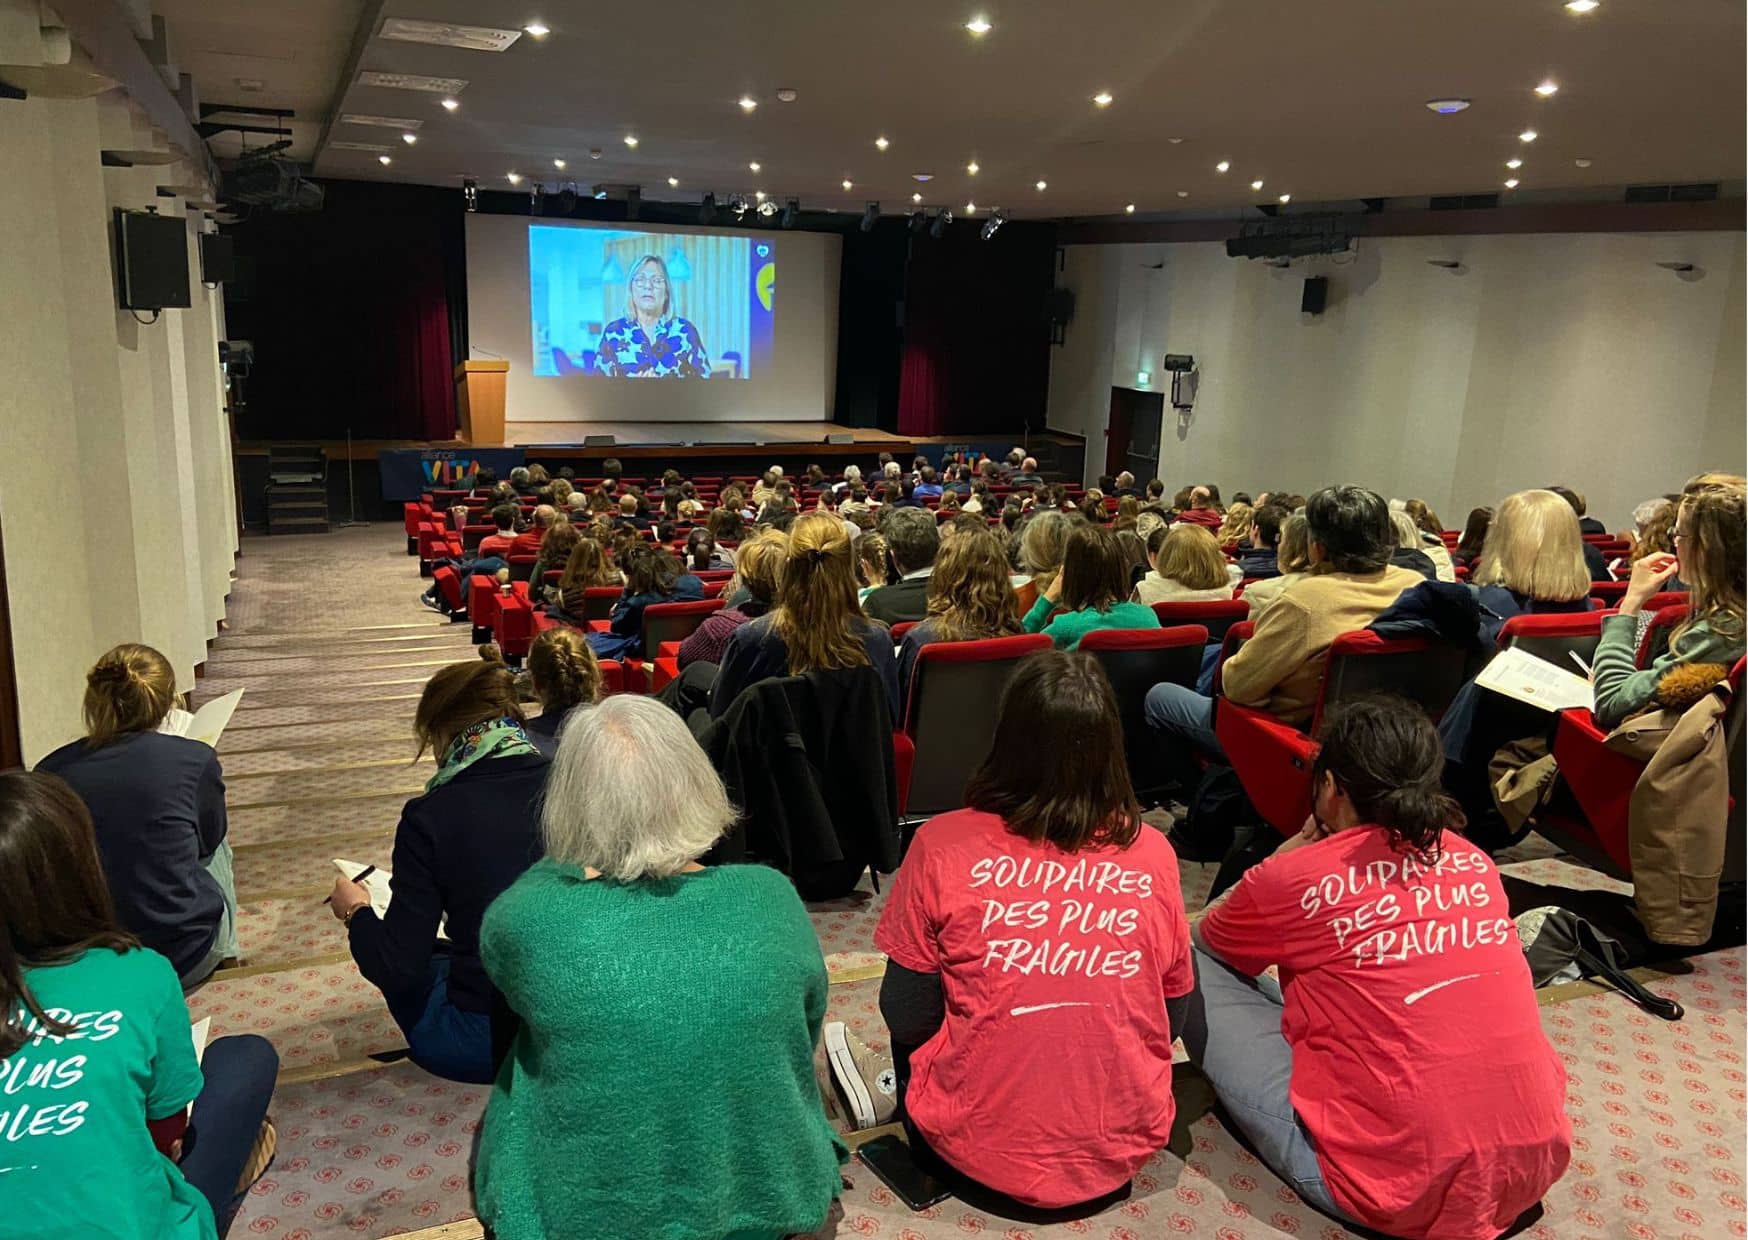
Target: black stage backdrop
[358, 315]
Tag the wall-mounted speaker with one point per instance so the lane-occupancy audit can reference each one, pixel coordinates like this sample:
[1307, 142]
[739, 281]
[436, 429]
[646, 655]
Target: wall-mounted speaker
[1315, 296]
[598, 441]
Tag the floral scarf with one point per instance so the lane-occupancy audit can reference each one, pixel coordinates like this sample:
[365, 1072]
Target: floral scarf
[494, 738]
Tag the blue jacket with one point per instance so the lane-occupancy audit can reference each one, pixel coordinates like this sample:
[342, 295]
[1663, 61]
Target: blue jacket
[624, 636]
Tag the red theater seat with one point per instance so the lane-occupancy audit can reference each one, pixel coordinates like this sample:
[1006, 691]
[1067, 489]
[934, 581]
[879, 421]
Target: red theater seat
[1555, 637]
[950, 714]
[1136, 660]
[1215, 615]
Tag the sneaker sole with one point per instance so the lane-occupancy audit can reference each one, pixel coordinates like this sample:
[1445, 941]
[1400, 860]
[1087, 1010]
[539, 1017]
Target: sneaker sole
[849, 1080]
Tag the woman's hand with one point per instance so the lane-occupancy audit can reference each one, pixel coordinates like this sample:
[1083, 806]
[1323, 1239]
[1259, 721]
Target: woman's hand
[1053, 591]
[1649, 574]
[347, 898]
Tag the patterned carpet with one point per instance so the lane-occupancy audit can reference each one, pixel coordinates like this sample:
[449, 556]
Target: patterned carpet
[319, 760]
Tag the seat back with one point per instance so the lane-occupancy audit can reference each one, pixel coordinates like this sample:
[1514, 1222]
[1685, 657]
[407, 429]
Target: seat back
[598, 601]
[1135, 660]
[1608, 593]
[1215, 615]
[1425, 671]
[954, 692]
[1555, 637]
[472, 534]
[521, 566]
[674, 622]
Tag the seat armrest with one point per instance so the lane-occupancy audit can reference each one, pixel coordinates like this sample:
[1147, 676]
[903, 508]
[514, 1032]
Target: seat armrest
[1273, 762]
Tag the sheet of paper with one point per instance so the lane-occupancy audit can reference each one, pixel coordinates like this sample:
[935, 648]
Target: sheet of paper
[1522, 676]
[209, 722]
[201, 1032]
[379, 884]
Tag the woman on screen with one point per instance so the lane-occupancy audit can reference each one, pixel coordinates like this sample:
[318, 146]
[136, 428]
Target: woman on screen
[651, 340]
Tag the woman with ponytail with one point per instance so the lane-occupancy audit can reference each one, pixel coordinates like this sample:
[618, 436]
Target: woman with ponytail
[458, 846]
[1397, 1076]
[158, 802]
[565, 674]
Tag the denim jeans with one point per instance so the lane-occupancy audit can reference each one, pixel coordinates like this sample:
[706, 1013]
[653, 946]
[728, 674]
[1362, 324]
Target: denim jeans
[224, 944]
[1184, 720]
[239, 1073]
[1234, 1035]
[443, 1039]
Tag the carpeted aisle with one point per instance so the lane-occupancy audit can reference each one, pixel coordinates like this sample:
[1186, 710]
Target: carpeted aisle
[319, 760]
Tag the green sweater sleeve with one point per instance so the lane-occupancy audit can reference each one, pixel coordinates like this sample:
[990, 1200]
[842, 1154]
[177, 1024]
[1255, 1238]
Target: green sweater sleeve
[1039, 616]
[1622, 687]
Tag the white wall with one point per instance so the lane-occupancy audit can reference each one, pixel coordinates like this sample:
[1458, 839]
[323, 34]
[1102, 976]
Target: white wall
[1552, 358]
[116, 504]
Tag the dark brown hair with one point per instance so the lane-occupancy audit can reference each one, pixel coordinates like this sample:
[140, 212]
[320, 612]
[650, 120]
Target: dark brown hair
[54, 899]
[1385, 754]
[461, 695]
[1056, 769]
[1095, 572]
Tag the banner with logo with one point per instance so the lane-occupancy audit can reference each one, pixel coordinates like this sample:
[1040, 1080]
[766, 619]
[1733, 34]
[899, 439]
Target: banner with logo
[408, 473]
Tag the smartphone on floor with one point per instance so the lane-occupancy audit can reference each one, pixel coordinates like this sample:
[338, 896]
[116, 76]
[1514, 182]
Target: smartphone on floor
[889, 1158]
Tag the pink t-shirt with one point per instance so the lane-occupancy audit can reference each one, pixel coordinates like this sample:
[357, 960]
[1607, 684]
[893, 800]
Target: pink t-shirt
[1420, 1068]
[1050, 1080]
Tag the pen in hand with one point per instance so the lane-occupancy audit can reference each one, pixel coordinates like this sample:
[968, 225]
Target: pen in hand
[359, 877]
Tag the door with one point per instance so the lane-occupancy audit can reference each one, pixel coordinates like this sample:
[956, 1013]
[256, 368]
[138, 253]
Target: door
[1132, 435]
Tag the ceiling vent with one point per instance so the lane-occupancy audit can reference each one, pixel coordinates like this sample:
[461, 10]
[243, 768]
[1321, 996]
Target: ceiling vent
[413, 81]
[1463, 202]
[1701, 192]
[373, 147]
[385, 122]
[444, 34]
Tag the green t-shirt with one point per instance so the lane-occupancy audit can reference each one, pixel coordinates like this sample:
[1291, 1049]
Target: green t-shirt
[76, 1159]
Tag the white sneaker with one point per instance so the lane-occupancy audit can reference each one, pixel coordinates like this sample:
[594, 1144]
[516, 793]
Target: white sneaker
[866, 1082]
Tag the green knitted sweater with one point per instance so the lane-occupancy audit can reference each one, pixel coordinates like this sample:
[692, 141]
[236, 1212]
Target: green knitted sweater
[662, 1083]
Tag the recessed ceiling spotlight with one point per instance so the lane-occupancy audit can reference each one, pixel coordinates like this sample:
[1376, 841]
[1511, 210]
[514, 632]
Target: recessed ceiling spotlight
[1447, 107]
[1102, 99]
[536, 30]
[786, 94]
[449, 105]
[970, 208]
[1129, 210]
[748, 103]
[559, 164]
[1285, 199]
[1175, 141]
[759, 194]
[848, 185]
[594, 152]
[673, 182]
[514, 178]
[631, 141]
[1257, 184]
[1582, 6]
[1511, 183]
[384, 160]
[971, 167]
[1225, 165]
[1514, 163]
[1183, 193]
[753, 167]
[409, 138]
[1582, 163]
[1549, 87]
[1528, 135]
[979, 25]
[1041, 186]
[916, 197]
[880, 143]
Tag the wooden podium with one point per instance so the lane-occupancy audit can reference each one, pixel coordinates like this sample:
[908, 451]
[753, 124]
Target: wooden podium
[479, 401]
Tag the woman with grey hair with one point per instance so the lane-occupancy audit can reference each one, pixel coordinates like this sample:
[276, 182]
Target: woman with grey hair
[651, 340]
[630, 965]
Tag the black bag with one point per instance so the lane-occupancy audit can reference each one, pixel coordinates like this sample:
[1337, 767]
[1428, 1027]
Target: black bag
[1561, 947]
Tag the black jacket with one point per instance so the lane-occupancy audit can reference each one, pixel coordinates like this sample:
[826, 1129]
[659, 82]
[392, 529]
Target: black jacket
[1258, 563]
[899, 602]
[808, 759]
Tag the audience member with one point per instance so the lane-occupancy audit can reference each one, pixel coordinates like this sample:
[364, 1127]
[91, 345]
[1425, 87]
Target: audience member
[1258, 561]
[1654, 528]
[1027, 474]
[157, 802]
[1092, 591]
[750, 595]
[555, 553]
[1187, 567]
[1134, 549]
[1474, 539]
[522, 480]
[458, 846]
[725, 523]
[1092, 505]
[702, 555]
[815, 624]
[1155, 496]
[1200, 509]
[955, 482]
[537, 476]
[950, 502]
[499, 544]
[1292, 558]
[564, 674]
[612, 471]
[913, 538]
[927, 487]
[1533, 561]
[973, 1003]
[1586, 524]
[1404, 1017]
[871, 564]
[1410, 551]
[1128, 514]
[652, 575]
[1043, 540]
[1124, 486]
[587, 568]
[123, 1154]
[1235, 531]
[970, 597]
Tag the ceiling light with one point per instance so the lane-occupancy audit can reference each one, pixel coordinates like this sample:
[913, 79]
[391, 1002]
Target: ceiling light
[1142, 378]
[559, 164]
[409, 138]
[1285, 199]
[536, 30]
[971, 167]
[1528, 135]
[1129, 210]
[384, 160]
[1511, 183]
[1582, 163]
[786, 94]
[1447, 107]
[1183, 193]
[753, 167]
[880, 144]
[759, 194]
[631, 141]
[449, 105]
[766, 209]
[1514, 163]
[748, 103]
[916, 197]
[1175, 141]
[1223, 166]
[1547, 88]
[412, 81]
[514, 178]
[922, 176]
[1102, 99]
[1041, 186]
[448, 34]
[1257, 184]
[848, 185]
[673, 182]
[1582, 6]
[594, 152]
[978, 25]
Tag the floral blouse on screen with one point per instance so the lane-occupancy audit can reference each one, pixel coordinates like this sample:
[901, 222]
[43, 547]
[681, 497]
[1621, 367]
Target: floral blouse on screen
[675, 350]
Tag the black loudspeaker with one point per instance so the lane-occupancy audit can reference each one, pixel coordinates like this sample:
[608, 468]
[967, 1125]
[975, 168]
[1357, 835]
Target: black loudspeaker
[218, 263]
[1061, 306]
[1315, 296]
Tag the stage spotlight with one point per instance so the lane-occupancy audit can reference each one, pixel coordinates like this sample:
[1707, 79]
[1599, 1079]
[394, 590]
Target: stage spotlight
[918, 221]
[938, 229]
[470, 193]
[870, 216]
[707, 210]
[791, 209]
[738, 204]
[537, 200]
[768, 208]
[567, 198]
[993, 224]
